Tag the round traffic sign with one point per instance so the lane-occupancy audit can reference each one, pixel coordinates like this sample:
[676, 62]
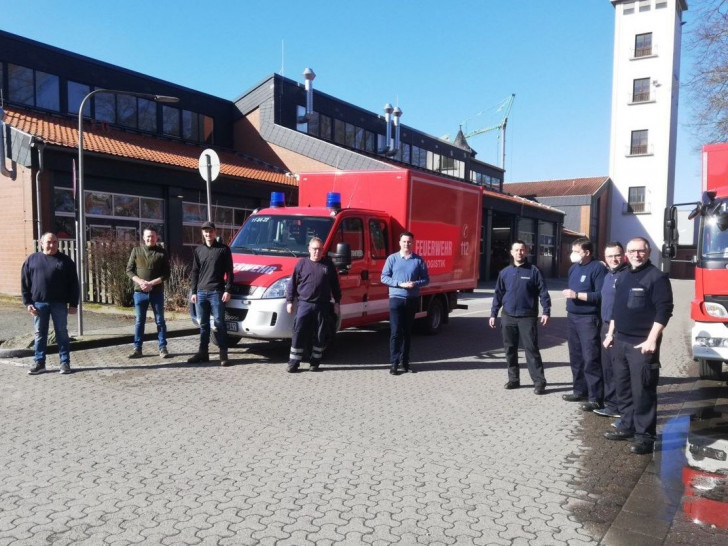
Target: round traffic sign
[209, 158]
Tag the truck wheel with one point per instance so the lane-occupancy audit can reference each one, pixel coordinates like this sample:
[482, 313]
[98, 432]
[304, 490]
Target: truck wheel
[435, 316]
[710, 369]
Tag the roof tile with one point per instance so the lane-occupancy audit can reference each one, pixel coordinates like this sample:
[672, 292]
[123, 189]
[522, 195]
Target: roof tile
[100, 138]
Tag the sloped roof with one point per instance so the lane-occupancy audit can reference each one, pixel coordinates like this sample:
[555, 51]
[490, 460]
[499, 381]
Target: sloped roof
[558, 188]
[103, 139]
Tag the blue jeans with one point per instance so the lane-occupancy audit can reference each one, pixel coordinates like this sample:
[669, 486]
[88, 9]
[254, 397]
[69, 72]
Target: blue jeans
[210, 301]
[59, 313]
[401, 318]
[585, 355]
[141, 304]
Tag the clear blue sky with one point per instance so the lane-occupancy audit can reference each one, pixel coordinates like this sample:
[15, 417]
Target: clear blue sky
[441, 61]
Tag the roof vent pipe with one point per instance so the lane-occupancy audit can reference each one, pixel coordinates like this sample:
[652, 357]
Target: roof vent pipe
[397, 113]
[4, 171]
[388, 109]
[309, 75]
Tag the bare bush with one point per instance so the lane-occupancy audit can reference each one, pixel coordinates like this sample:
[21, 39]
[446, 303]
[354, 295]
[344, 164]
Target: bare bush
[178, 285]
[107, 259]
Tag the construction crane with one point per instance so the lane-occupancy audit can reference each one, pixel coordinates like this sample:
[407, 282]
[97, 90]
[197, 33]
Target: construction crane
[505, 105]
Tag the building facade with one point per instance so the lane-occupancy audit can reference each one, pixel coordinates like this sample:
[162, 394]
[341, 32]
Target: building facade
[141, 156]
[645, 89]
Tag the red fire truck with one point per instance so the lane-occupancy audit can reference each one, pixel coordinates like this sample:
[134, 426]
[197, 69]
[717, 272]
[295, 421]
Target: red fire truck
[709, 307]
[359, 216]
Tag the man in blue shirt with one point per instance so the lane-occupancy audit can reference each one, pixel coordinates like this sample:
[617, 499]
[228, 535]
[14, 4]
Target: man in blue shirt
[517, 290]
[404, 272]
[583, 295]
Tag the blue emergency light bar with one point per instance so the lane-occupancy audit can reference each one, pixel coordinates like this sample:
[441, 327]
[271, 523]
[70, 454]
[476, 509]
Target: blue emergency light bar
[333, 200]
[277, 199]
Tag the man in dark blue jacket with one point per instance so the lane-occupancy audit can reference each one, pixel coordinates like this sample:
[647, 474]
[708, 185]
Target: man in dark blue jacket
[517, 290]
[586, 277]
[49, 285]
[614, 258]
[643, 306]
[313, 283]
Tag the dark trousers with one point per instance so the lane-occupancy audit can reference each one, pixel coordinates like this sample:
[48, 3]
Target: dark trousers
[310, 323]
[524, 329]
[585, 356]
[401, 318]
[610, 391]
[636, 376]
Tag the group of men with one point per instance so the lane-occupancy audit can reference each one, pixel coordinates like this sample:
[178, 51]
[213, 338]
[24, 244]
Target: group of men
[615, 314]
[50, 290]
[315, 282]
[615, 317]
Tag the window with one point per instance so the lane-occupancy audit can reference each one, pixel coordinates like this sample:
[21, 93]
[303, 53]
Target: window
[76, 93]
[639, 143]
[352, 232]
[105, 107]
[147, 112]
[47, 91]
[227, 220]
[636, 199]
[20, 85]
[378, 242]
[325, 127]
[643, 45]
[126, 111]
[190, 125]
[108, 214]
[339, 131]
[33, 88]
[170, 121]
[641, 90]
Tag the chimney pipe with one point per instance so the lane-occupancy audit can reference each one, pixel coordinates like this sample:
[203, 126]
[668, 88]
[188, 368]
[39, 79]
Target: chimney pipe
[309, 75]
[388, 109]
[397, 113]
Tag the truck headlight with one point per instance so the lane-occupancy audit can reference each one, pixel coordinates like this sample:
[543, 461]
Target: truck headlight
[277, 289]
[715, 310]
[705, 341]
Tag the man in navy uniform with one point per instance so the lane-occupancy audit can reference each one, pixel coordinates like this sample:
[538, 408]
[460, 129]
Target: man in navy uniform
[313, 283]
[518, 290]
[583, 294]
[614, 258]
[643, 306]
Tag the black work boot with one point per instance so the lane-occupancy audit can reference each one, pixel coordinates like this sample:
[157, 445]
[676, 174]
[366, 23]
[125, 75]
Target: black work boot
[224, 359]
[198, 357]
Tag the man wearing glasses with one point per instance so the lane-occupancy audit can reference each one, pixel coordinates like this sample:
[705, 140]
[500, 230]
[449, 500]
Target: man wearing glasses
[614, 258]
[313, 283]
[643, 306]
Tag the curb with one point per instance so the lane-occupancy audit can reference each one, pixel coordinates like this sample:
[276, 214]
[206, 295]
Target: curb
[96, 341]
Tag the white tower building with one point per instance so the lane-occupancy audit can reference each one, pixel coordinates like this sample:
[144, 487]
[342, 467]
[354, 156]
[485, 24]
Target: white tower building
[646, 79]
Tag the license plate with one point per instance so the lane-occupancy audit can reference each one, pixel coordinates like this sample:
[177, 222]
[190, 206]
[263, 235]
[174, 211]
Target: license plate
[231, 326]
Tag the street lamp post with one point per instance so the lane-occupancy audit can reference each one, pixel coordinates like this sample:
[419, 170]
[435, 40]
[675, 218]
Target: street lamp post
[81, 231]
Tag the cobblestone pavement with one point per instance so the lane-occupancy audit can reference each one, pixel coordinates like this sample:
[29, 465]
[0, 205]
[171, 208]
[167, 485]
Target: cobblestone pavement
[155, 451]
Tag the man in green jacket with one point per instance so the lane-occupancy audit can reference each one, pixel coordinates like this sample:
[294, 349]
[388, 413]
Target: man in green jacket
[148, 267]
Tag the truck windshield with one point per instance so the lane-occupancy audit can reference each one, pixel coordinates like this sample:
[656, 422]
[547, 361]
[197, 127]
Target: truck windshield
[715, 241]
[280, 235]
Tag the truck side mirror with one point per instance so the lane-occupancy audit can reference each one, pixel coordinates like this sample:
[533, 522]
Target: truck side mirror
[342, 257]
[671, 233]
[669, 251]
